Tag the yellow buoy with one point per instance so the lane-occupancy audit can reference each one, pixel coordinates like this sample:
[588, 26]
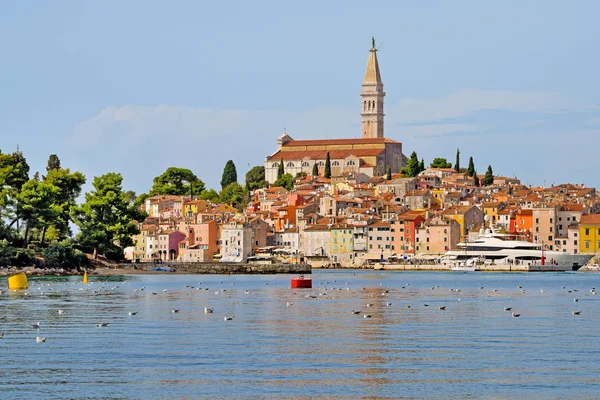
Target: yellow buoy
[18, 282]
[85, 277]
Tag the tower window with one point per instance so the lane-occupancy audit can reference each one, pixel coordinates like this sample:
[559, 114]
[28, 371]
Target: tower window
[305, 164]
[275, 165]
[335, 164]
[290, 164]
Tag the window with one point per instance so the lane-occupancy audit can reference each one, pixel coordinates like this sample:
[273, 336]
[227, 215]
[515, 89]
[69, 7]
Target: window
[564, 242]
[320, 164]
[335, 164]
[290, 164]
[350, 162]
[537, 220]
[305, 164]
[550, 220]
[587, 231]
[587, 244]
[370, 246]
[575, 242]
[275, 165]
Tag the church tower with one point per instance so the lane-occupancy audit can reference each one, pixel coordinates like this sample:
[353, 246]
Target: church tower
[372, 95]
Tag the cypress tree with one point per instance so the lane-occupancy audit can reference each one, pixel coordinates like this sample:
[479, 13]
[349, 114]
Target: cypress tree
[315, 170]
[388, 175]
[457, 165]
[422, 165]
[280, 170]
[229, 174]
[471, 168]
[475, 179]
[489, 177]
[327, 167]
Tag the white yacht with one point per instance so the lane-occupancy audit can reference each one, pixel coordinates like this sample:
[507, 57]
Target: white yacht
[503, 248]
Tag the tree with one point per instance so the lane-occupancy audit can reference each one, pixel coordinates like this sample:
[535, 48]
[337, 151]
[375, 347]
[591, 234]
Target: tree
[411, 169]
[440, 162]
[457, 164]
[280, 170]
[14, 172]
[210, 195]
[388, 175]
[130, 197]
[141, 199]
[233, 194]
[476, 179]
[68, 188]
[229, 174]
[176, 181]
[315, 171]
[38, 206]
[422, 165]
[327, 173]
[285, 181]
[105, 219]
[489, 177]
[53, 163]
[255, 178]
[471, 167]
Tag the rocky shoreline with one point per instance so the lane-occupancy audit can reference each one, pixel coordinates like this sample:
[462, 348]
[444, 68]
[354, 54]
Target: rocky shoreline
[5, 271]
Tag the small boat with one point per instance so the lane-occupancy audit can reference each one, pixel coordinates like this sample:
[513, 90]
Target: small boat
[463, 267]
[301, 283]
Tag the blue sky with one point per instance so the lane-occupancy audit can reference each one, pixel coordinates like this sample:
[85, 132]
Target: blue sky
[138, 86]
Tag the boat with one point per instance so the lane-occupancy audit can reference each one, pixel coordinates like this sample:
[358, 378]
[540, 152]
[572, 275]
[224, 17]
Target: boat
[498, 248]
[469, 265]
[301, 283]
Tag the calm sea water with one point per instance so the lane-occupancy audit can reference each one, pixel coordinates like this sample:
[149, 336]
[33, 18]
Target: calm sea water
[314, 347]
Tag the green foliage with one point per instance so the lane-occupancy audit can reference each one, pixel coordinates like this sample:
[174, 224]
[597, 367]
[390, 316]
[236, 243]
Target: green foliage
[388, 175]
[176, 181]
[412, 167]
[141, 199]
[68, 188]
[315, 170]
[285, 181]
[53, 163]
[457, 164]
[234, 194]
[471, 167]
[11, 256]
[280, 170]
[229, 174]
[327, 173]
[210, 195]
[130, 196]
[301, 175]
[14, 172]
[440, 162]
[489, 176]
[255, 178]
[105, 219]
[476, 179]
[422, 165]
[63, 255]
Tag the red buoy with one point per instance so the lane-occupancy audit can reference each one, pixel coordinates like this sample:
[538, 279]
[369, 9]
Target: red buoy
[301, 283]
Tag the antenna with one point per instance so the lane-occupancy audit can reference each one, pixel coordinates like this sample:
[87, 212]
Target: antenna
[380, 44]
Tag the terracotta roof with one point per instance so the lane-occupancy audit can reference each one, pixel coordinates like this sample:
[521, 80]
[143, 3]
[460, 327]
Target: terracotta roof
[322, 154]
[337, 142]
[590, 219]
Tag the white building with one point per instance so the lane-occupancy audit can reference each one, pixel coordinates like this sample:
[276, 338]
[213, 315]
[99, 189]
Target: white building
[236, 242]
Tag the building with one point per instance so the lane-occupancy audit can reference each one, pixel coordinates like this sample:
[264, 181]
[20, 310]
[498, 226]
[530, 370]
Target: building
[370, 155]
[589, 233]
[236, 242]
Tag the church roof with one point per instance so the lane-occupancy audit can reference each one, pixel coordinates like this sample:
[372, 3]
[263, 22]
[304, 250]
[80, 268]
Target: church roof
[335, 142]
[372, 75]
[322, 154]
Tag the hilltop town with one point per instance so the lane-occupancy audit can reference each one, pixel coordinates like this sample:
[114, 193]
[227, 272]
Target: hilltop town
[351, 201]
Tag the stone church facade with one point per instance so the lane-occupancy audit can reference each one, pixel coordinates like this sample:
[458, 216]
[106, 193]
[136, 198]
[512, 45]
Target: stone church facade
[371, 154]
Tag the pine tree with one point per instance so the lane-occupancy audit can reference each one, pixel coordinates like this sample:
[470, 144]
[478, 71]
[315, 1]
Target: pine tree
[388, 175]
[229, 174]
[457, 165]
[471, 168]
[412, 167]
[315, 170]
[53, 163]
[489, 177]
[327, 167]
[280, 170]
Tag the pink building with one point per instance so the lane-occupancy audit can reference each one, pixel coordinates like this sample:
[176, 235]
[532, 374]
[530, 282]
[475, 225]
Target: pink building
[168, 245]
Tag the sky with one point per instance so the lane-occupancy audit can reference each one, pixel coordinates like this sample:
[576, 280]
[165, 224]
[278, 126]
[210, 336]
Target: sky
[138, 86]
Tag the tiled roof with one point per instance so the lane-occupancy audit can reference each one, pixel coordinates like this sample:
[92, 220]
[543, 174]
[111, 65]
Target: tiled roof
[590, 219]
[322, 154]
[338, 142]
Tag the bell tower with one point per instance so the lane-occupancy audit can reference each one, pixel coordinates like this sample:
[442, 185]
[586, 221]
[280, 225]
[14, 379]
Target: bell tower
[372, 95]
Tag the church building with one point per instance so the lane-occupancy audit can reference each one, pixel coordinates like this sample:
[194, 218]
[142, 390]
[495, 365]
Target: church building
[371, 154]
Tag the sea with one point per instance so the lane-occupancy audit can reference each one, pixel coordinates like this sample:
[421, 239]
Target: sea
[438, 335]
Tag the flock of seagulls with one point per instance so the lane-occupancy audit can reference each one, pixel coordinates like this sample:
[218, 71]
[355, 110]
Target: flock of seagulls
[324, 292]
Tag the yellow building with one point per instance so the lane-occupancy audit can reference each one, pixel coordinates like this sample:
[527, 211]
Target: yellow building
[341, 244]
[437, 196]
[193, 207]
[589, 234]
[491, 209]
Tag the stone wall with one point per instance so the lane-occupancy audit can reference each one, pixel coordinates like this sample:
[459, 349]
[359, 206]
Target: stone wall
[226, 268]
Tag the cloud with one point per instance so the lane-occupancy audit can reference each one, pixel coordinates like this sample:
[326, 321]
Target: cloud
[499, 126]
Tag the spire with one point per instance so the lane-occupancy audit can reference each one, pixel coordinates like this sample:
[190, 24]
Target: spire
[372, 75]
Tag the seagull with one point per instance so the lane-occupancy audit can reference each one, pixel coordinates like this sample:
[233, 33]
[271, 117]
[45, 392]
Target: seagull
[61, 311]
[174, 311]
[542, 291]
[356, 312]
[367, 316]
[36, 326]
[426, 305]
[507, 308]
[289, 304]
[576, 312]
[102, 324]
[575, 300]
[154, 293]
[1, 335]
[228, 318]
[208, 310]
[516, 315]
[40, 339]
[132, 312]
[388, 304]
[407, 306]
[442, 307]
[246, 292]
[369, 304]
